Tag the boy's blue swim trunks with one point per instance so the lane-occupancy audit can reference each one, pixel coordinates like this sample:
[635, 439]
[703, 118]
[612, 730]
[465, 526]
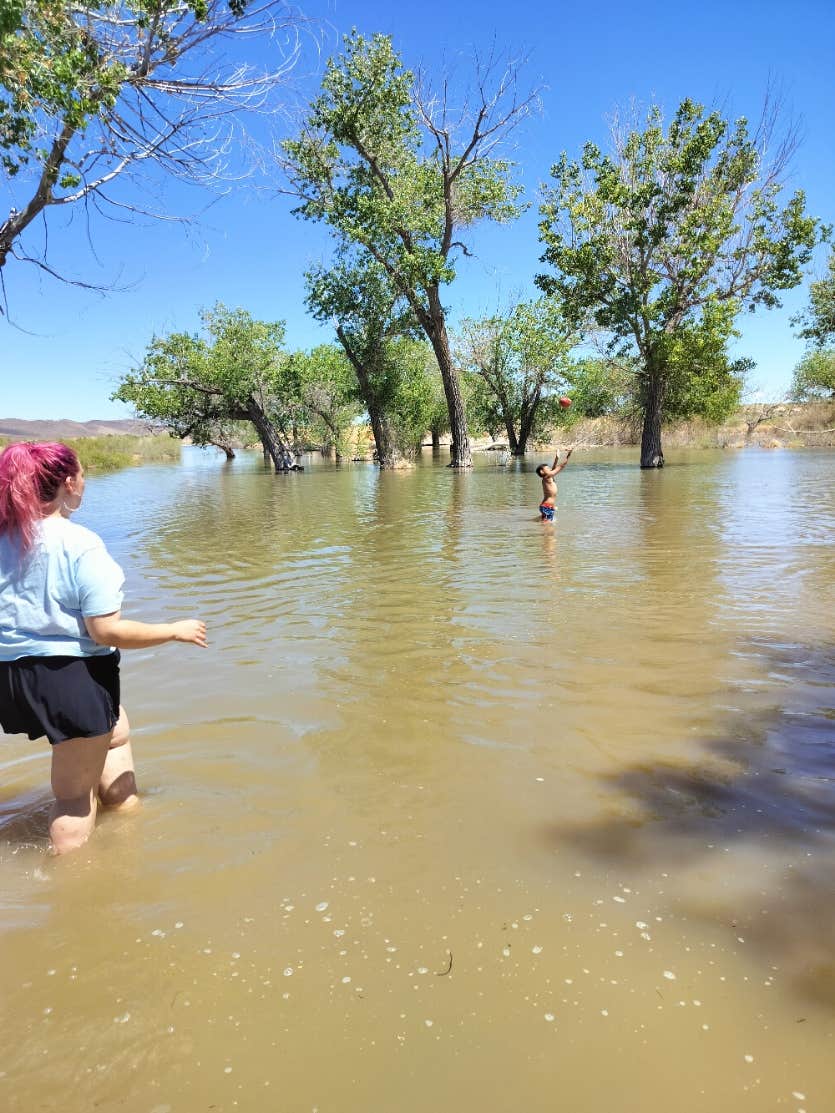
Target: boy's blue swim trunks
[546, 512]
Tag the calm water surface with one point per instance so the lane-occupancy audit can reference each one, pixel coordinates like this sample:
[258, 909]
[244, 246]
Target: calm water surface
[459, 811]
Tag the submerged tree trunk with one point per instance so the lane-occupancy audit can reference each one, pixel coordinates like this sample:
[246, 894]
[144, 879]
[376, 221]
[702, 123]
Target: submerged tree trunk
[512, 439]
[651, 453]
[271, 442]
[388, 452]
[225, 448]
[434, 324]
[297, 444]
[526, 422]
[333, 446]
[436, 438]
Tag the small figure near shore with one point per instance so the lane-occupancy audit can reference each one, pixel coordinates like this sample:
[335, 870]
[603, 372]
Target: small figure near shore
[549, 487]
[61, 630]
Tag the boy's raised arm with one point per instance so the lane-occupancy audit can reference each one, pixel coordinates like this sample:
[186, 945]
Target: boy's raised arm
[565, 461]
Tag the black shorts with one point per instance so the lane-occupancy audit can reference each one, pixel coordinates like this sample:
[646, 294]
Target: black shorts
[60, 697]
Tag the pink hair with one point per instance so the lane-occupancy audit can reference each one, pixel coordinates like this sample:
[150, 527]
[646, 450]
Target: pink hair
[30, 478]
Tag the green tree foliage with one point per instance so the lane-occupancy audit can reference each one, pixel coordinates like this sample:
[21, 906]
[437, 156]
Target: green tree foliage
[600, 387]
[327, 389]
[661, 243]
[417, 402]
[814, 376]
[819, 319]
[380, 162]
[438, 415]
[702, 380]
[520, 358]
[92, 90]
[373, 323]
[236, 371]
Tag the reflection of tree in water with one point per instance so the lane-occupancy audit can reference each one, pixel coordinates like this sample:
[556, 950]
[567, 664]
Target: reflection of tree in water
[763, 787]
[231, 517]
[396, 620]
[676, 546]
[638, 614]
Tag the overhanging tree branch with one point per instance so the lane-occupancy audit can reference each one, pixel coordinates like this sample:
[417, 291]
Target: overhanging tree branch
[139, 82]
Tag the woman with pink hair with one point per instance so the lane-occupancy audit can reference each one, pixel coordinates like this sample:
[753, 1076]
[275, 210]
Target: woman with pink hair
[61, 630]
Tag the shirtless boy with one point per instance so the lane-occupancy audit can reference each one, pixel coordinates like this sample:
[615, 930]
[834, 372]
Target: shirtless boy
[549, 487]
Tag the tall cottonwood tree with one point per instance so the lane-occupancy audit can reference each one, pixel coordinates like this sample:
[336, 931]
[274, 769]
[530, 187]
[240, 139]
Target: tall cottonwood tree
[94, 92]
[393, 171]
[662, 242]
[236, 371]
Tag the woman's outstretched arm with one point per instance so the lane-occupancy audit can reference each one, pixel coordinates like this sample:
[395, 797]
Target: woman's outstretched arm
[124, 633]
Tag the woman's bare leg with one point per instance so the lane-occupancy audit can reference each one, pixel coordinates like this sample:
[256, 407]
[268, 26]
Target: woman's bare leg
[117, 784]
[77, 765]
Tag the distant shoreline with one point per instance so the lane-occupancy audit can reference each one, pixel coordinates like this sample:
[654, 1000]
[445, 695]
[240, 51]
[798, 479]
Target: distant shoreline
[763, 424]
[760, 424]
[59, 429]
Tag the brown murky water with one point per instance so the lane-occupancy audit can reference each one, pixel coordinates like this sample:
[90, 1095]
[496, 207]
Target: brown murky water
[460, 811]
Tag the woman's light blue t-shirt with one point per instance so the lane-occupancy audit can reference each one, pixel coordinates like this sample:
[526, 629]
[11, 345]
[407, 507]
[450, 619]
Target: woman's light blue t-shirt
[44, 598]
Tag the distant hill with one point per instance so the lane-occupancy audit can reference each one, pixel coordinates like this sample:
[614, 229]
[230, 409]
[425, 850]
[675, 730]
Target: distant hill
[60, 429]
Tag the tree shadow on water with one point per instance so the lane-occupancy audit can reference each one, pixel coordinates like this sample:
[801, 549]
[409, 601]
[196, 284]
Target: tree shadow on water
[752, 823]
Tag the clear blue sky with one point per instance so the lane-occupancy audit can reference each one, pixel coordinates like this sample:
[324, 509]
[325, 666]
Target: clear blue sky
[247, 250]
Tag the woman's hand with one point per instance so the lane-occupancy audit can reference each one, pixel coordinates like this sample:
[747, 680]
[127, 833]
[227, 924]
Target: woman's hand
[190, 630]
